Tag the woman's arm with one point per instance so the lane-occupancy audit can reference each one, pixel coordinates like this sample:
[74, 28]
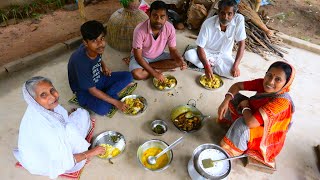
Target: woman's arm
[234, 89]
[88, 154]
[249, 118]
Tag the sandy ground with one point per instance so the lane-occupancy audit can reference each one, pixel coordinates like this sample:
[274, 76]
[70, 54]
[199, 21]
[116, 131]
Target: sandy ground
[31, 36]
[298, 18]
[296, 161]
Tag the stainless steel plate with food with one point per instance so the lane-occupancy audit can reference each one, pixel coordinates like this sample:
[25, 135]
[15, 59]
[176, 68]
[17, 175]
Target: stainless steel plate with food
[137, 104]
[112, 141]
[169, 83]
[213, 84]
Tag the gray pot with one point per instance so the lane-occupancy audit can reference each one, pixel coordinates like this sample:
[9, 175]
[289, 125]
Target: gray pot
[189, 107]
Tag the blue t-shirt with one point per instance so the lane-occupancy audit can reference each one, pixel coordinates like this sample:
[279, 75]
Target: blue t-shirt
[83, 72]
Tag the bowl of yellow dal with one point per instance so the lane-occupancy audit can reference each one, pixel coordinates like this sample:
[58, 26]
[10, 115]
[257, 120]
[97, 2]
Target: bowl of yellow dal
[152, 148]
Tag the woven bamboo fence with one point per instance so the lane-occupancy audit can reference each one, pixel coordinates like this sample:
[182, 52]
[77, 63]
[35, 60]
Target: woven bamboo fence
[120, 28]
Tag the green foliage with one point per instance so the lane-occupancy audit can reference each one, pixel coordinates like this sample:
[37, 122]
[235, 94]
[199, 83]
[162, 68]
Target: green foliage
[125, 3]
[14, 11]
[4, 16]
[26, 10]
[36, 16]
[33, 10]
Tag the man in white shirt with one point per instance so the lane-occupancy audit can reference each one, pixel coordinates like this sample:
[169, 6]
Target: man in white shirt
[215, 42]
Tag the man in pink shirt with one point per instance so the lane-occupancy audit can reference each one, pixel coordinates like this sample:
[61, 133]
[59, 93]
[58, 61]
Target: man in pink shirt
[150, 39]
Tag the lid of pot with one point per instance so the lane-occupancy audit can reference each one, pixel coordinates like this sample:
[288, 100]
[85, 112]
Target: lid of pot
[220, 169]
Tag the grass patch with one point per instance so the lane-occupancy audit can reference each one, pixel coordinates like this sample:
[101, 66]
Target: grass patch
[31, 10]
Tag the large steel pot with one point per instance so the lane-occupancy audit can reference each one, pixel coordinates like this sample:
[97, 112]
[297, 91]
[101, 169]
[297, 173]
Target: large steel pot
[189, 107]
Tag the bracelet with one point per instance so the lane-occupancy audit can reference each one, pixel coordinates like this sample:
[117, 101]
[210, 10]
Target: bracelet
[229, 93]
[207, 65]
[245, 108]
[85, 155]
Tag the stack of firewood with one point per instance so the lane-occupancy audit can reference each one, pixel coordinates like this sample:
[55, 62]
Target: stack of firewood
[258, 42]
[260, 39]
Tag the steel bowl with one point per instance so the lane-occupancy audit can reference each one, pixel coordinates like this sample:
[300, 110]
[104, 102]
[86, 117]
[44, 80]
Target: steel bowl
[112, 138]
[154, 143]
[216, 76]
[161, 123]
[155, 83]
[142, 99]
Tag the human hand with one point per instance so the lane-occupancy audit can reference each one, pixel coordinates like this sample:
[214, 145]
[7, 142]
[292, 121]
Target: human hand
[208, 72]
[243, 104]
[235, 71]
[98, 150]
[121, 106]
[183, 65]
[106, 71]
[160, 77]
[222, 110]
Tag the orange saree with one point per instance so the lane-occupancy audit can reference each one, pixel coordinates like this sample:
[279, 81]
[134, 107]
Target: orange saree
[274, 112]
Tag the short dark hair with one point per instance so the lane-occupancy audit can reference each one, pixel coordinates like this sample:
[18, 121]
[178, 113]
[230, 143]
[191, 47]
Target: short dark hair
[284, 66]
[92, 30]
[229, 3]
[156, 5]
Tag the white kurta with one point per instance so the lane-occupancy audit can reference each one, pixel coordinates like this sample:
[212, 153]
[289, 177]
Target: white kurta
[218, 44]
[48, 140]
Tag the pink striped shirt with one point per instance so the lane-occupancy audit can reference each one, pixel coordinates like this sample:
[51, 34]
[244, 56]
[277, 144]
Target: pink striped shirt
[152, 48]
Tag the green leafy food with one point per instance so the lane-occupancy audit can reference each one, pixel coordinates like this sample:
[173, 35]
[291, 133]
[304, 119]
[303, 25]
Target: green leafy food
[158, 129]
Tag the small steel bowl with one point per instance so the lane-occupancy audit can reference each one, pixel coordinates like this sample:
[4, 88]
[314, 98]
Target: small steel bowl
[112, 138]
[161, 123]
[150, 144]
[155, 82]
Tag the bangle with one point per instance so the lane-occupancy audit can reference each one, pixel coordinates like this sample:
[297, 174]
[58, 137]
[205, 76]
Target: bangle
[245, 108]
[229, 93]
[85, 155]
[207, 65]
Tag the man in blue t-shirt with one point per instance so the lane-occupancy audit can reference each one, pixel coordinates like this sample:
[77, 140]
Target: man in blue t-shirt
[95, 86]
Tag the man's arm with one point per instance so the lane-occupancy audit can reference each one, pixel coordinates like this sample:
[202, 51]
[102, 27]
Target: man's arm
[203, 58]
[235, 71]
[139, 58]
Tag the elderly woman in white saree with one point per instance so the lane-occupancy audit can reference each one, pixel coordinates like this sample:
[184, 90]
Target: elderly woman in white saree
[51, 142]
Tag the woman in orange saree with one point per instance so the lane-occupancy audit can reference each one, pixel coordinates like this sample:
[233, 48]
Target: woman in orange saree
[259, 123]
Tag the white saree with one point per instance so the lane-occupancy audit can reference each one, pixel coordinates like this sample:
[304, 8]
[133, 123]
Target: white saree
[48, 140]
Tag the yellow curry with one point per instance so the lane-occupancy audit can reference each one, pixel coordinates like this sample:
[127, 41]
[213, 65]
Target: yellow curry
[135, 105]
[162, 161]
[168, 83]
[111, 151]
[210, 83]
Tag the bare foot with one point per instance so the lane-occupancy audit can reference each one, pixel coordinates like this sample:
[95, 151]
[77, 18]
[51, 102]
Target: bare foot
[126, 60]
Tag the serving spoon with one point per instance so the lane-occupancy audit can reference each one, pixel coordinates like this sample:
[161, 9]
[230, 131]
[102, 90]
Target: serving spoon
[153, 159]
[190, 114]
